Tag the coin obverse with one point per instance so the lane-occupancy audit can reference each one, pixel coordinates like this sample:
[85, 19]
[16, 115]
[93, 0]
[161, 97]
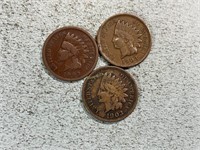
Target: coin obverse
[110, 94]
[70, 53]
[124, 40]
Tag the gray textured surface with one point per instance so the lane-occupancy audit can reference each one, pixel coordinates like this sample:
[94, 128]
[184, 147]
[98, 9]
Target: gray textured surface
[39, 112]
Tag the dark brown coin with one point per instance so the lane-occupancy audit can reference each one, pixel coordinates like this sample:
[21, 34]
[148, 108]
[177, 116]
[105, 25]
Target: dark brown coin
[70, 53]
[124, 40]
[110, 94]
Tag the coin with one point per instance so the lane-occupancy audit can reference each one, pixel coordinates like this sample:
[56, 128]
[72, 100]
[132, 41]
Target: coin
[110, 94]
[70, 53]
[124, 40]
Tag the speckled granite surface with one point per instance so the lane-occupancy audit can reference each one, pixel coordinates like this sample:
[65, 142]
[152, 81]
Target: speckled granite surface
[40, 112]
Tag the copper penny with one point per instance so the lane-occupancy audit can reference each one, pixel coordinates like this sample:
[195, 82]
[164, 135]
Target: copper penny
[124, 40]
[70, 53]
[110, 94]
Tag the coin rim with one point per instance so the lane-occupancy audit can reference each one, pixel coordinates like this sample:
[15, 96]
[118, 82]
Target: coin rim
[107, 58]
[103, 119]
[45, 58]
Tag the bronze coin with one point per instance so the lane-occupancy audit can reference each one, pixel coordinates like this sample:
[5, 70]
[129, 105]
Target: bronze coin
[70, 53]
[124, 40]
[110, 94]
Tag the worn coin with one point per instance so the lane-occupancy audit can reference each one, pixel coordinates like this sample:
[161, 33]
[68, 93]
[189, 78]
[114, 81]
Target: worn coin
[110, 94]
[124, 40]
[70, 53]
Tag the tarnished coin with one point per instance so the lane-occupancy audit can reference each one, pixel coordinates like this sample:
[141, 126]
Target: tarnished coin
[110, 94]
[124, 40]
[70, 53]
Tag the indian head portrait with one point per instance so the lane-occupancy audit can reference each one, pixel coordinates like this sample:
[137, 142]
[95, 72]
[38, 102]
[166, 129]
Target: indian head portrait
[111, 93]
[71, 54]
[126, 39]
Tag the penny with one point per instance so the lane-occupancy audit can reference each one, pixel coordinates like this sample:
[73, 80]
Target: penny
[124, 40]
[70, 53]
[110, 94]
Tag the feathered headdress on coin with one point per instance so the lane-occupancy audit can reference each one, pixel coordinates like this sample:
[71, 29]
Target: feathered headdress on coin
[128, 32]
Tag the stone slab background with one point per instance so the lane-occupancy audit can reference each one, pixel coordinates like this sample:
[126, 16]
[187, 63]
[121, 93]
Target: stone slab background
[38, 112]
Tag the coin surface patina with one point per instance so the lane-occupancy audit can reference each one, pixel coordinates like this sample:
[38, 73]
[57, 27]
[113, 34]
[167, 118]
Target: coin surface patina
[110, 94]
[70, 53]
[124, 40]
